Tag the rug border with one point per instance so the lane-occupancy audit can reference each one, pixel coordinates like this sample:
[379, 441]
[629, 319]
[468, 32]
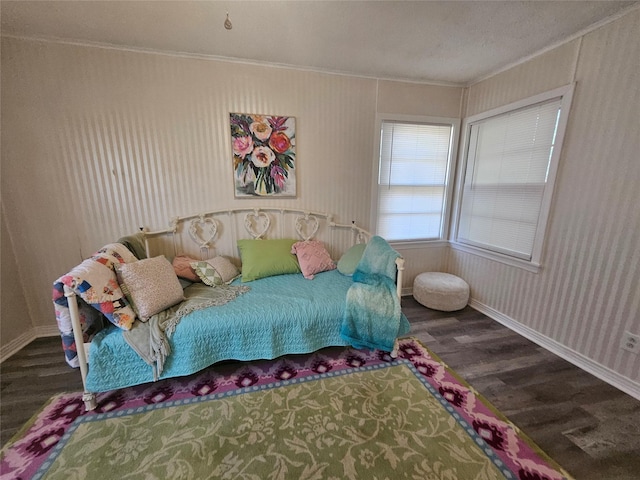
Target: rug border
[501, 416]
[29, 423]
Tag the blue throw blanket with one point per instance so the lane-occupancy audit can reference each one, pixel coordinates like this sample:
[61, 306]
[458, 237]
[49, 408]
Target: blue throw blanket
[373, 318]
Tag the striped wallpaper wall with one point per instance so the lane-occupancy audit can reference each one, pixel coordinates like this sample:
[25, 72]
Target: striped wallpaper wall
[588, 292]
[144, 137]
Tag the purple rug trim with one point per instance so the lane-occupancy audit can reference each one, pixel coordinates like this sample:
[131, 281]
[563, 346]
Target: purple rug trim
[22, 458]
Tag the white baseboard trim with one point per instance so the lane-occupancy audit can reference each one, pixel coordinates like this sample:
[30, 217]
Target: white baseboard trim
[16, 344]
[585, 363]
[47, 331]
[26, 338]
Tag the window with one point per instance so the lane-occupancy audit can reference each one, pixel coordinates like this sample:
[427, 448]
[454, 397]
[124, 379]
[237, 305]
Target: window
[412, 181]
[511, 160]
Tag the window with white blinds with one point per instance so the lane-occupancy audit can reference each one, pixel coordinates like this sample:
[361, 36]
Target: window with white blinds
[412, 180]
[510, 167]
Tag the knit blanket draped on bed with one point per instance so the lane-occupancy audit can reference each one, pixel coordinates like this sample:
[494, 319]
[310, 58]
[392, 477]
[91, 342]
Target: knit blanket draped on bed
[373, 318]
[150, 339]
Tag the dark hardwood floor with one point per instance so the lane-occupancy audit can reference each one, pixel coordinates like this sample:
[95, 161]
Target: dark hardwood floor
[587, 426]
[29, 378]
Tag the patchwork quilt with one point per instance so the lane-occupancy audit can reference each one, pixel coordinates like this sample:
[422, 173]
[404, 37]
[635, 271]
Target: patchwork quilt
[99, 297]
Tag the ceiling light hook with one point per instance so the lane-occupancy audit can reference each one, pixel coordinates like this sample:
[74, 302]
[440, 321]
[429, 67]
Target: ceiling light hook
[227, 23]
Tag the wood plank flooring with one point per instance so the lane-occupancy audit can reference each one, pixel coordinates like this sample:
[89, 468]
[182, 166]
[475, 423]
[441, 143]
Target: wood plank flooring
[586, 425]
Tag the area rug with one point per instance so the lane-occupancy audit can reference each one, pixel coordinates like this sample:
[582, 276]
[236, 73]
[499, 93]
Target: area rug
[335, 414]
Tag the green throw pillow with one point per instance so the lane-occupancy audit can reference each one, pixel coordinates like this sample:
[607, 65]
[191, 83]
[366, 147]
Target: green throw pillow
[265, 258]
[349, 261]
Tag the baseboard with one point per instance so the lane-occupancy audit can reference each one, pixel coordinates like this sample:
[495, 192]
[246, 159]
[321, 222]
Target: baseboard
[47, 331]
[26, 338]
[585, 363]
[16, 344]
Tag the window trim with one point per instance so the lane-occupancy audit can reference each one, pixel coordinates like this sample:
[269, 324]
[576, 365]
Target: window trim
[534, 265]
[449, 177]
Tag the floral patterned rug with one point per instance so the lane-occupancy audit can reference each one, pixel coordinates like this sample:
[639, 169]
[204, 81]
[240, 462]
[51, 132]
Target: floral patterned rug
[336, 414]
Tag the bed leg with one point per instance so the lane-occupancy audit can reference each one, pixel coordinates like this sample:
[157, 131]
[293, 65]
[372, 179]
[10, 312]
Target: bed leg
[394, 352]
[89, 400]
[399, 279]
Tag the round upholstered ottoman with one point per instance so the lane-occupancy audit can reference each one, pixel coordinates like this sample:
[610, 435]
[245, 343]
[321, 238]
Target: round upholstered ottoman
[441, 291]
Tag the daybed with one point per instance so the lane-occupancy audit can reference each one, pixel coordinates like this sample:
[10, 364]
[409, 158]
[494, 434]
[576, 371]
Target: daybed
[269, 287]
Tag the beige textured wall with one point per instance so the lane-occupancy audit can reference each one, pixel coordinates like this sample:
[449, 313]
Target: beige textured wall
[97, 142]
[14, 321]
[544, 72]
[588, 292]
[418, 99]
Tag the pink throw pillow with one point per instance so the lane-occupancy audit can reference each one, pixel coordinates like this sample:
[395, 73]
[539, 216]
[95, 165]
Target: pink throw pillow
[182, 267]
[312, 257]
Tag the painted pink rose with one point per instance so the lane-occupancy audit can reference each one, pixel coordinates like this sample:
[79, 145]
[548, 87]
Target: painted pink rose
[280, 142]
[260, 129]
[242, 146]
[262, 156]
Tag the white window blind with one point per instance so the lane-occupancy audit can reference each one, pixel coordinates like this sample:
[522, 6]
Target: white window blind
[412, 177]
[509, 158]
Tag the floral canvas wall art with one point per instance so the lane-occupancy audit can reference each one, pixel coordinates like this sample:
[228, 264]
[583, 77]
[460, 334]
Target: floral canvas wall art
[264, 155]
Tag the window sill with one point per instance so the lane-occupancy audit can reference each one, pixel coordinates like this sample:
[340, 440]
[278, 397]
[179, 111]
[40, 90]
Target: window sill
[415, 244]
[513, 262]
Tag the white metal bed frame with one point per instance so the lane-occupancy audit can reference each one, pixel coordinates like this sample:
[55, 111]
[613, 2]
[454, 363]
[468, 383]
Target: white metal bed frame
[204, 232]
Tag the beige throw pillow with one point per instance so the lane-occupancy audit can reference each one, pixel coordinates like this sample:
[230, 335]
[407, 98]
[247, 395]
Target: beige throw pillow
[152, 284]
[215, 271]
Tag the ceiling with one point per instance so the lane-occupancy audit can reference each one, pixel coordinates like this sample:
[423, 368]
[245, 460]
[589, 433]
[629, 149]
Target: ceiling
[449, 42]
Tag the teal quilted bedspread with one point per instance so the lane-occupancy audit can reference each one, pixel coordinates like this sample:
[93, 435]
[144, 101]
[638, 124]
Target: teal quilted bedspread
[279, 315]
